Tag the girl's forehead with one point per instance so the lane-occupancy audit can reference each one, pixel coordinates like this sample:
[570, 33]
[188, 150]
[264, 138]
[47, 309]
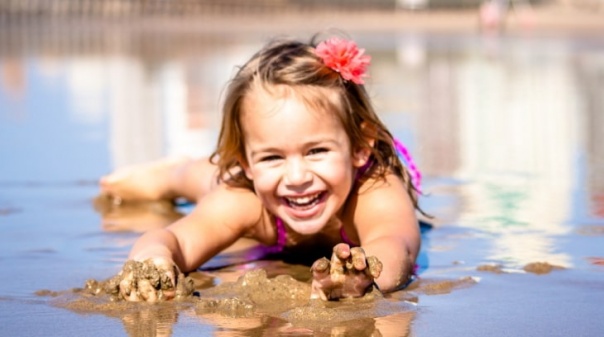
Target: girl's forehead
[268, 98]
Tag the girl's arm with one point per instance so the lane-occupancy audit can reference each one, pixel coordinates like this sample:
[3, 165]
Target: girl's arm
[384, 216]
[217, 221]
[388, 229]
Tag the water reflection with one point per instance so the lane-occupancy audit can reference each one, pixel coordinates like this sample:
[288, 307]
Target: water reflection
[150, 321]
[160, 321]
[591, 84]
[516, 143]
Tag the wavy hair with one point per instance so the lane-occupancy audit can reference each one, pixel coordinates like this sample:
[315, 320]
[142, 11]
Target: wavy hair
[294, 64]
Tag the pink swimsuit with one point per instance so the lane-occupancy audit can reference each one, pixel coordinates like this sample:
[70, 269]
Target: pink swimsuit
[415, 176]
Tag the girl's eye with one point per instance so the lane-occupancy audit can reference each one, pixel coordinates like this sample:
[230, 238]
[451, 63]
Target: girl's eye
[317, 151]
[270, 158]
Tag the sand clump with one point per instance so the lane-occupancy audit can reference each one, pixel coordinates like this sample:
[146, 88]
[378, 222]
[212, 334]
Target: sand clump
[252, 297]
[142, 280]
[253, 292]
[491, 268]
[539, 268]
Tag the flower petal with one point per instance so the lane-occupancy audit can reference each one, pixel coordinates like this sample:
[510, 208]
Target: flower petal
[344, 57]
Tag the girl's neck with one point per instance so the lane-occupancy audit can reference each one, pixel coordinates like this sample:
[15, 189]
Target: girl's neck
[330, 230]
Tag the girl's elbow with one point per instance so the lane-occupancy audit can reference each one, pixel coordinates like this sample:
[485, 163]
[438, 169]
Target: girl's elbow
[396, 277]
[393, 283]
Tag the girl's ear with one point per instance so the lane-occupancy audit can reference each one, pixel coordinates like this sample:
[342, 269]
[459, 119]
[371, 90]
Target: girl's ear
[362, 154]
[247, 171]
[246, 168]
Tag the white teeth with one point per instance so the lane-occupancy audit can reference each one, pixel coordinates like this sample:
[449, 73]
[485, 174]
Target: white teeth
[303, 201]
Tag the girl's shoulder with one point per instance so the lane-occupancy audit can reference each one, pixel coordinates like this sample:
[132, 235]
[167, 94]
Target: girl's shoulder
[238, 208]
[384, 181]
[234, 206]
[385, 193]
[383, 202]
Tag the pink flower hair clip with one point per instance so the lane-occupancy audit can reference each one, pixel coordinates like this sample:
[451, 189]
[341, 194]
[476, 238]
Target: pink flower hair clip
[344, 57]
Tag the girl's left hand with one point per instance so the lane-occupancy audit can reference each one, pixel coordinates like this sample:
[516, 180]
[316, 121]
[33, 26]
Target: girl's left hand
[349, 273]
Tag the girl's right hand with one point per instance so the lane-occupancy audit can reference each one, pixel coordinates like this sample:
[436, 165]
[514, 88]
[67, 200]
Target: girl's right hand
[349, 273]
[152, 280]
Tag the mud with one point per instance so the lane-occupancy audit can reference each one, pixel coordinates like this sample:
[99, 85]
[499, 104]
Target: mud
[134, 275]
[538, 268]
[541, 268]
[491, 268]
[261, 294]
[258, 298]
[254, 292]
[433, 287]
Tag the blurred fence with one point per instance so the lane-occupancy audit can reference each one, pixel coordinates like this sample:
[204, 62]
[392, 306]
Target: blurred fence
[134, 8]
[139, 8]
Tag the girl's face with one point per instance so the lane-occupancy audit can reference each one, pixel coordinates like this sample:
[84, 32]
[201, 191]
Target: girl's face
[300, 160]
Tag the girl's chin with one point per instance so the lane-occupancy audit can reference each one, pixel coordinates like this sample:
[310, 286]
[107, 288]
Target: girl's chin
[307, 227]
[306, 221]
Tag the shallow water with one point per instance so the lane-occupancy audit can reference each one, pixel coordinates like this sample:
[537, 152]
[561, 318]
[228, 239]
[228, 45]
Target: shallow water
[507, 131]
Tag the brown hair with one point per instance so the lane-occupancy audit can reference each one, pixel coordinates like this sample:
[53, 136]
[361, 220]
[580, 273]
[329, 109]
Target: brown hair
[294, 64]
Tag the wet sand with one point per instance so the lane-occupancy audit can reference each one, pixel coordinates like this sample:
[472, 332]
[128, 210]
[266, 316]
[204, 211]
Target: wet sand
[264, 291]
[272, 297]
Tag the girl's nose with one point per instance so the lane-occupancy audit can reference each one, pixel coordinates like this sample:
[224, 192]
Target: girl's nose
[297, 173]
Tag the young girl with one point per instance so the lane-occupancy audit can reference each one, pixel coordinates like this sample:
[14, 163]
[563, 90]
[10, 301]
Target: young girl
[302, 161]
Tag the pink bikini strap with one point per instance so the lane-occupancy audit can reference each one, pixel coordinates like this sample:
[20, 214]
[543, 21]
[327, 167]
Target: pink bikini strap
[345, 238]
[281, 237]
[416, 176]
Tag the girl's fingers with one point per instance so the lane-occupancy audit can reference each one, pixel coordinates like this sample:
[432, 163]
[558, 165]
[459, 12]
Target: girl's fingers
[359, 261]
[374, 266]
[339, 258]
[146, 291]
[321, 266]
[342, 251]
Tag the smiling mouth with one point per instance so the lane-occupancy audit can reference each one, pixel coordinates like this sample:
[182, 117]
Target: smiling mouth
[304, 202]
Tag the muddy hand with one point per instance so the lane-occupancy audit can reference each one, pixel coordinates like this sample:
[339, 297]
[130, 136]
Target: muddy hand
[151, 280]
[349, 273]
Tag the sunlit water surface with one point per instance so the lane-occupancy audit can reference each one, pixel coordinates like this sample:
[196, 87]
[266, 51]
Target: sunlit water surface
[508, 133]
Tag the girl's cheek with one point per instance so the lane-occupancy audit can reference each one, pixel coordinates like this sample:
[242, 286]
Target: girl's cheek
[265, 179]
[334, 166]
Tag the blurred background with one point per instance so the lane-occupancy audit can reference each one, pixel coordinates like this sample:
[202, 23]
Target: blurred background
[500, 102]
